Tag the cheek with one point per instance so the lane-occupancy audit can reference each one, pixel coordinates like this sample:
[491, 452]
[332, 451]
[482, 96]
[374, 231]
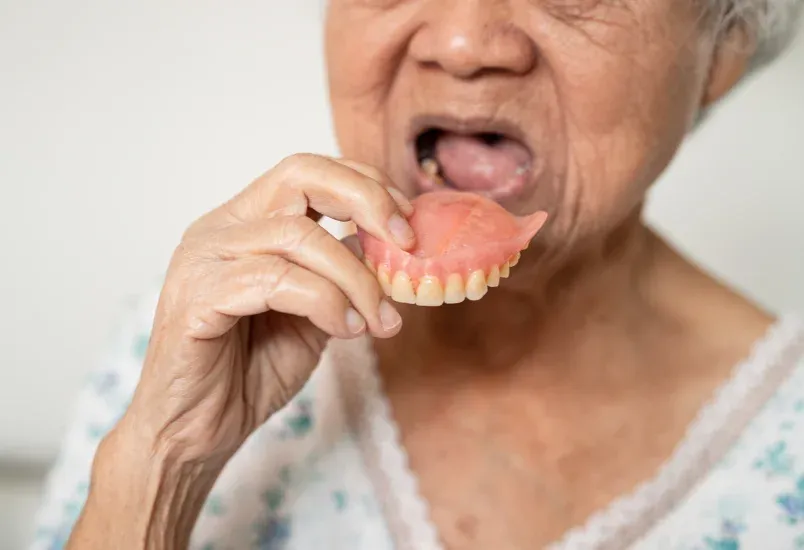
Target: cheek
[362, 52]
[355, 106]
[625, 117]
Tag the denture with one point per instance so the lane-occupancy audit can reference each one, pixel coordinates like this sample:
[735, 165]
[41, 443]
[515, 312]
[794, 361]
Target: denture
[465, 244]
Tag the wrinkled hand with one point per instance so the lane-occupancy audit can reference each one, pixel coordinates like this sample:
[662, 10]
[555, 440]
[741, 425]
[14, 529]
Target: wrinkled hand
[253, 293]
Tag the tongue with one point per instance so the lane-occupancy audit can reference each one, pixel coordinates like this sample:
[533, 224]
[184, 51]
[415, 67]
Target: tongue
[470, 164]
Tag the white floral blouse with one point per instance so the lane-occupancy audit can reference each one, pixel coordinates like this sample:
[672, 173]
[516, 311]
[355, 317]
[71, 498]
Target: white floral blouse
[329, 472]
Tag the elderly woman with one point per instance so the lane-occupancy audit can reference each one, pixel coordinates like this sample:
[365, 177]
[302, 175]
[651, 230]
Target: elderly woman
[436, 382]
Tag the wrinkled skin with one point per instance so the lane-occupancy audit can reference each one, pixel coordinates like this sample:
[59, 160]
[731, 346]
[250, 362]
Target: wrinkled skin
[603, 94]
[255, 291]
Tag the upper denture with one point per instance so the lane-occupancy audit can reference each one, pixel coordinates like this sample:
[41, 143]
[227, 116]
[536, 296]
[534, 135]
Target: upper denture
[464, 244]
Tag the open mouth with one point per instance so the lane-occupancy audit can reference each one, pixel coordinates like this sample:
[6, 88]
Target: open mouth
[485, 162]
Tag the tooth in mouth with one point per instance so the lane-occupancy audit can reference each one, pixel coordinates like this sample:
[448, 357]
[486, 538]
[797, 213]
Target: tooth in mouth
[433, 171]
[465, 245]
[426, 156]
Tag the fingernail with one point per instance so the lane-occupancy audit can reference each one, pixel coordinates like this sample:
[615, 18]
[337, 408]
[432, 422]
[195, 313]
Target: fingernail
[401, 200]
[400, 230]
[389, 316]
[355, 321]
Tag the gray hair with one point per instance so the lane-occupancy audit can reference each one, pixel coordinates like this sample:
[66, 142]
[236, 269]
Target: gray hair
[773, 22]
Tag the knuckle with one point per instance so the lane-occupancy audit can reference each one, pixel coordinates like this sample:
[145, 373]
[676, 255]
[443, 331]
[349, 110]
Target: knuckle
[294, 163]
[184, 254]
[202, 234]
[197, 226]
[194, 247]
[198, 320]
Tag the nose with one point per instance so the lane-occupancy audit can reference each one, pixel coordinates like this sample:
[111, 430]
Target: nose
[467, 38]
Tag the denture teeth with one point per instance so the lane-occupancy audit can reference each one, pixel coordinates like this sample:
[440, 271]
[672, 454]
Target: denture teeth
[493, 279]
[476, 286]
[430, 292]
[384, 276]
[370, 266]
[515, 259]
[402, 288]
[455, 292]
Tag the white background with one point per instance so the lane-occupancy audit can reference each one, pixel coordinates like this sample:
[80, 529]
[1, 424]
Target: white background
[120, 122]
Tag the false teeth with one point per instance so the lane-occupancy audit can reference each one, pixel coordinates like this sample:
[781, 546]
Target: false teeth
[402, 288]
[476, 286]
[430, 291]
[493, 279]
[465, 245]
[455, 291]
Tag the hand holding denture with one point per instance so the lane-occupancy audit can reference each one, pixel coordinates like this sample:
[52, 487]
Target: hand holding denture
[253, 294]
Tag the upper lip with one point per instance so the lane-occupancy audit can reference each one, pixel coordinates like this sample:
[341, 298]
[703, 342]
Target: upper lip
[467, 126]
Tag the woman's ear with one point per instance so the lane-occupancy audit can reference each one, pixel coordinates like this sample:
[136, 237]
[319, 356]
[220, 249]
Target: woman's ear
[732, 57]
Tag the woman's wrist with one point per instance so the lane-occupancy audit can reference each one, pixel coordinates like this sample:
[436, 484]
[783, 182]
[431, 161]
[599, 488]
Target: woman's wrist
[142, 494]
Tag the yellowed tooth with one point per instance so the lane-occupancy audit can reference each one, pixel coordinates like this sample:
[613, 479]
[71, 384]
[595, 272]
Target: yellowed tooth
[402, 288]
[527, 244]
[430, 292]
[494, 277]
[370, 266]
[455, 292]
[515, 259]
[505, 270]
[476, 286]
[384, 276]
[430, 167]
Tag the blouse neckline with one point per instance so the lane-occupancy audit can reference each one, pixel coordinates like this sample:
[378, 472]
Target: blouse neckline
[716, 428]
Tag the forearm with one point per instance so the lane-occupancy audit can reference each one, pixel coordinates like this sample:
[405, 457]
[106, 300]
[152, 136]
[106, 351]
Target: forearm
[141, 496]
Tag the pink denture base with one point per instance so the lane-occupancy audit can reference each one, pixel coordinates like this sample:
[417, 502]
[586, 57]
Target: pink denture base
[456, 232]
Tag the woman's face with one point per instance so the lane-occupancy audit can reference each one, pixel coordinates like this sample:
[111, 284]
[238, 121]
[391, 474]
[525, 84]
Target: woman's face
[568, 106]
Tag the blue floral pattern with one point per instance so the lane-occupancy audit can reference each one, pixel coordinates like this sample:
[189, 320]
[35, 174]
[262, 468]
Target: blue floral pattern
[729, 538]
[755, 498]
[300, 482]
[792, 503]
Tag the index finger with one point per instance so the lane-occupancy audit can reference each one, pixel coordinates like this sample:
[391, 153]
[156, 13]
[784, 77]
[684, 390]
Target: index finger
[341, 190]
